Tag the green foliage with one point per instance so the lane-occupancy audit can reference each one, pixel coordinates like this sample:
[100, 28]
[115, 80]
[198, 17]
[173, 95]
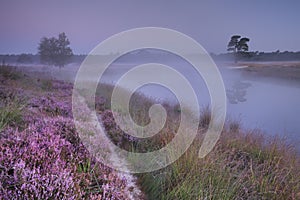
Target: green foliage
[55, 51]
[84, 167]
[10, 114]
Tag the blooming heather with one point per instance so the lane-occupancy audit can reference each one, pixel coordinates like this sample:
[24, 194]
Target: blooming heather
[46, 159]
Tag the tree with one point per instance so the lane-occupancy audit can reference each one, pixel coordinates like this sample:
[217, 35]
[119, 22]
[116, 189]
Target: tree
[55, 51]
[238, 45]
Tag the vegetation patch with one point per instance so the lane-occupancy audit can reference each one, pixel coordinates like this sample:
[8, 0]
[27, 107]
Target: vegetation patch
[9, 72]
[243, 164]
[41, 154]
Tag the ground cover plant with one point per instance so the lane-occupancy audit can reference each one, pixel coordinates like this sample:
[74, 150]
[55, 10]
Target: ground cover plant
[41, 155]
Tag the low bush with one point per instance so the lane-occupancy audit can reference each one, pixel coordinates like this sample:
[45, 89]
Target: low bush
[9, 72]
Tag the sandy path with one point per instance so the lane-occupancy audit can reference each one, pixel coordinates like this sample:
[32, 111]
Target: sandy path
[132, 190]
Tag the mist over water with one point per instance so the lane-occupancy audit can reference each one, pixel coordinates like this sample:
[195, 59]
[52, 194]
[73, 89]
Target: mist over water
[268, 104]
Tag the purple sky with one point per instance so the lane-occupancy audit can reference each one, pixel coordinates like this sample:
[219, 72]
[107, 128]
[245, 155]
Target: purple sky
[271, 25]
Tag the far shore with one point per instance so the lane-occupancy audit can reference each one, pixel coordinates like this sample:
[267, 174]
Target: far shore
[284, 70]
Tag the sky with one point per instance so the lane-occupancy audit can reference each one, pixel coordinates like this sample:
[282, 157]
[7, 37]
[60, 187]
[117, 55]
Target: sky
[271, 25]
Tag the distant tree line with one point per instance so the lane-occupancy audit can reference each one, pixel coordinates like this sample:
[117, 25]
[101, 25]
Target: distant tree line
[36, 59]
[56, 51]
[259, 56]
[251, 56]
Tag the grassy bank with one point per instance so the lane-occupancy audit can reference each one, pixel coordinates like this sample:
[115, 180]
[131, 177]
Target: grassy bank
[240, 167]
[243, 164]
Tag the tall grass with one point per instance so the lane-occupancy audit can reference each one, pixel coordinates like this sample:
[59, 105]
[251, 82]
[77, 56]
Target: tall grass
[243, 164]
[10, 114]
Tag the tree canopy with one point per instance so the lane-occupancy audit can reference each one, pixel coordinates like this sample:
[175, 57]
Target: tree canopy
[238, 44]
[55, 51]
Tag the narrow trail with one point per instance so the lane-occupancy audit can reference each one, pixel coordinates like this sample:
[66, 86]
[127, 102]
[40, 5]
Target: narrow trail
[132, 190]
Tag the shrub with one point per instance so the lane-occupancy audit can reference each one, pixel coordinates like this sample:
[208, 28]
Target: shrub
[52, 105]
[9, 72]
[37, 163]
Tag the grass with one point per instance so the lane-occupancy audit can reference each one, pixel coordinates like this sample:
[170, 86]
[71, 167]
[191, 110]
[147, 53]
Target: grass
[240, 167]
[10, 114]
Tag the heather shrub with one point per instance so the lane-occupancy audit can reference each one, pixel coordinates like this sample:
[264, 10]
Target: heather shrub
[11, 95]
[62, 86]
[52, 105]
[131, 143]
[46, 159]
[56, 85]
[139, 106]
[38, 163]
